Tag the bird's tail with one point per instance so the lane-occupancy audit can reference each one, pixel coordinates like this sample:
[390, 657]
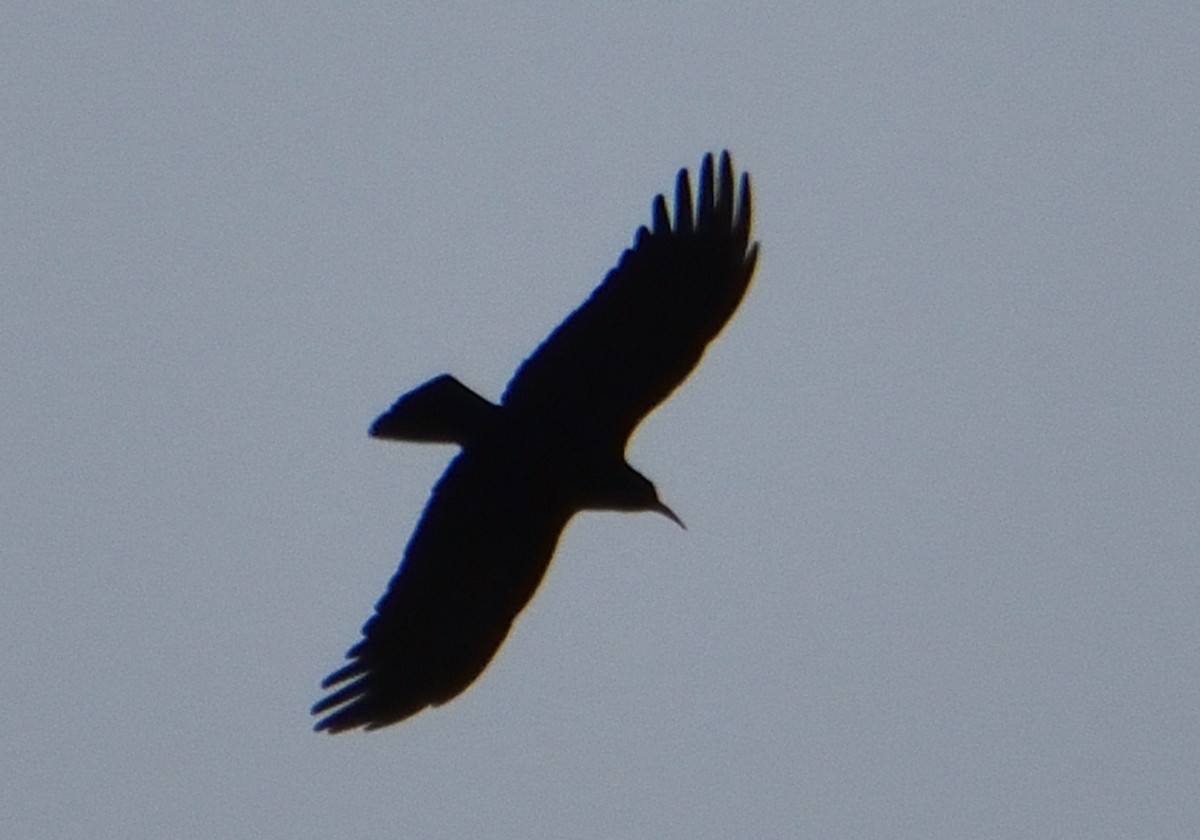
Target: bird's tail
[443, 410]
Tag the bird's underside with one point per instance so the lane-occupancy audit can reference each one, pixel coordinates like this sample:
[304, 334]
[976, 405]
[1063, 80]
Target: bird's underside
[554, 446]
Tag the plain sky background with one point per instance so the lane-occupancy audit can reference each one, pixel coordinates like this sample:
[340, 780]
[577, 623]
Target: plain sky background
[941, 473]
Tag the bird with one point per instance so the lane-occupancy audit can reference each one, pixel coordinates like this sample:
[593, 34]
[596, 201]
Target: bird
[554, 446]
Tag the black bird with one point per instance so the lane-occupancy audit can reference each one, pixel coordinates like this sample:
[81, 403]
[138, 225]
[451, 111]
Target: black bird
[553, 447]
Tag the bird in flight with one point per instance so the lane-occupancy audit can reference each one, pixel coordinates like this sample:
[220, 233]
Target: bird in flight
[554, 446]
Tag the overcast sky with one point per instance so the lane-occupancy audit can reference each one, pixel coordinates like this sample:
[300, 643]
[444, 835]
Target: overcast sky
[941, 473]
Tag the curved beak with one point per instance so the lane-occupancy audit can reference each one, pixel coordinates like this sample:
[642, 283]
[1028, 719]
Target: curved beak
[670, 514]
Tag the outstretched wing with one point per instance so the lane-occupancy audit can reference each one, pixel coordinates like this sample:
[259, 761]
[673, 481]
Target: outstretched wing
[644, 328]
[478, 554]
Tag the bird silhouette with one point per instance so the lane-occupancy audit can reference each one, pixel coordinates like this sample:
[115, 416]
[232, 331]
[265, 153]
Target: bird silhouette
[553, 447]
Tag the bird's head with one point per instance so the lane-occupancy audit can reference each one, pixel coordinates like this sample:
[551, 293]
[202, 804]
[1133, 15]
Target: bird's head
[627, 489]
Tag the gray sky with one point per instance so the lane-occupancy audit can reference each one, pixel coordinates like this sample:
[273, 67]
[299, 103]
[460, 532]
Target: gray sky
[941, 473]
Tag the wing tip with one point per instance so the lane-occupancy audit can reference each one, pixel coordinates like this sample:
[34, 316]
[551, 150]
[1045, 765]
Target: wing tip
[718, 205]
[347, 708]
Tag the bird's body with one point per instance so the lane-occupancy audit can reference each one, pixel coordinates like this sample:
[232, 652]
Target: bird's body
[553, 447]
